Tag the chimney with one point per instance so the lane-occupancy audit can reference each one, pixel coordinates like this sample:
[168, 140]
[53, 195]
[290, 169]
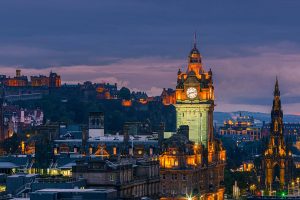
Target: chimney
[85, 137]
[161, 134]
[131, 151]
[126, 133]
[18, 73]
[151, 151]
[75, 150]
[91, 150]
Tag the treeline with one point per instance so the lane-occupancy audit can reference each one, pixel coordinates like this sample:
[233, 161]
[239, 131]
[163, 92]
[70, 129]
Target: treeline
[73, 106]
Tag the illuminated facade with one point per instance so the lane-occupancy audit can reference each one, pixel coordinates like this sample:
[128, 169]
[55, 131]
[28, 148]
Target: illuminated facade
[38, 81]
[126, 103]
[17, 81]
[289, 128]
[3, 135]
[107, 91]
[168, 96]
[192, 161]
[186, 172]
[195, 99]
[242, 126]
[277, 159]
[54, 80]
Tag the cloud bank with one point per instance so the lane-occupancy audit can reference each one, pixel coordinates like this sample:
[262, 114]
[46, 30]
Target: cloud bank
[141, 45]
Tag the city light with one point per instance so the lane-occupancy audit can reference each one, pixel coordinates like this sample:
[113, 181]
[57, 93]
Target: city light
[189, 197]
[283, 194]
[102, 99]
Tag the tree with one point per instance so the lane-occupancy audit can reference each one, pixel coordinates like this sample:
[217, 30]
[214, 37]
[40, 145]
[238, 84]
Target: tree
[43, 155]
[11, 145]
[124, 93]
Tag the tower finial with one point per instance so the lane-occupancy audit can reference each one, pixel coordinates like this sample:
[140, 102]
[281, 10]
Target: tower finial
[195, 39]
[276, 89]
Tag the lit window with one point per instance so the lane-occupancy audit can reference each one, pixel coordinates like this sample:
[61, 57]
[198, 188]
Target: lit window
[176, 163]
[112, 177]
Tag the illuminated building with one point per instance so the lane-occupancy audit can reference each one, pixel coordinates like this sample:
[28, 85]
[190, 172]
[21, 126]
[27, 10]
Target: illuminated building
[247, 166]
[96, 124]
[39, 81]
[140, 97]
[54, 80]
[126, 103]
[137, 141]
[23, 118]
[192, 161]
[14, 119]
[187, 171]
[17, 81]
[277, 158]
[107, 91]
[168, 96]
[30, 148]
[3, 135]
[242, 126]
[195, 99]
[291, 129]
[236, 191]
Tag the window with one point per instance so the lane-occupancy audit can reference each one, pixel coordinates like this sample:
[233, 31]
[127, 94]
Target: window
[183, 177]
[115, 150]
[176, 163]
[112, 177]
[164, 189]
[164, 176]
[174, 176]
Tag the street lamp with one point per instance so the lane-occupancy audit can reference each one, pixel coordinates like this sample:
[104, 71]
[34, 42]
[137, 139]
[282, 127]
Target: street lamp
[189, 197]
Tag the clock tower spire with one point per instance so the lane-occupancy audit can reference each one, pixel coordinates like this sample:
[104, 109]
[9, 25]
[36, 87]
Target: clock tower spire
[194, 59]
[194, 106]
[195, 99]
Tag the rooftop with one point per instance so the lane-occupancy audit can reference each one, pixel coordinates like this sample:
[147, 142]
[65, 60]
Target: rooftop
[76, 190]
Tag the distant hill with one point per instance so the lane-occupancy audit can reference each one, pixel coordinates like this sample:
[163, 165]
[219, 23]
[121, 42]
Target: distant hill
[220, 117]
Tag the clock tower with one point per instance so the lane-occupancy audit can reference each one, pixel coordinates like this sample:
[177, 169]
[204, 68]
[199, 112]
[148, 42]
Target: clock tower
[195, 99]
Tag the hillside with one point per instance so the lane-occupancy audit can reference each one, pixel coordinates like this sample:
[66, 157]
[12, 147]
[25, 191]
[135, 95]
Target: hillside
[219, 117]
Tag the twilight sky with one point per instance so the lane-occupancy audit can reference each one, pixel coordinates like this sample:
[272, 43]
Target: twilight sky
[141, 45]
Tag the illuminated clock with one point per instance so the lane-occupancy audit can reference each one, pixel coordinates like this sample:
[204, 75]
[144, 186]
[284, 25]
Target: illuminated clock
[191, 92]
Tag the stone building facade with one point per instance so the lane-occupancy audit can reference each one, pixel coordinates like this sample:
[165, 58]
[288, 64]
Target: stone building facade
[189, 170]
[132, 178]
[192, 161]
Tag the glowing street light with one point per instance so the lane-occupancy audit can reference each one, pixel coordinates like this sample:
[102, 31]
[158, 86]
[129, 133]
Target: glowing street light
[189, 197]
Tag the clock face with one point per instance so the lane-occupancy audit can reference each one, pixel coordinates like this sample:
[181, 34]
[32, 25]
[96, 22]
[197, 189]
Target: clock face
[191, 93]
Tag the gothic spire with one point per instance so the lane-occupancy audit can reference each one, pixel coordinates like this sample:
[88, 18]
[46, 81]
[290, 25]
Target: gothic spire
[276, 151]
[276, 90]
[276, 101]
